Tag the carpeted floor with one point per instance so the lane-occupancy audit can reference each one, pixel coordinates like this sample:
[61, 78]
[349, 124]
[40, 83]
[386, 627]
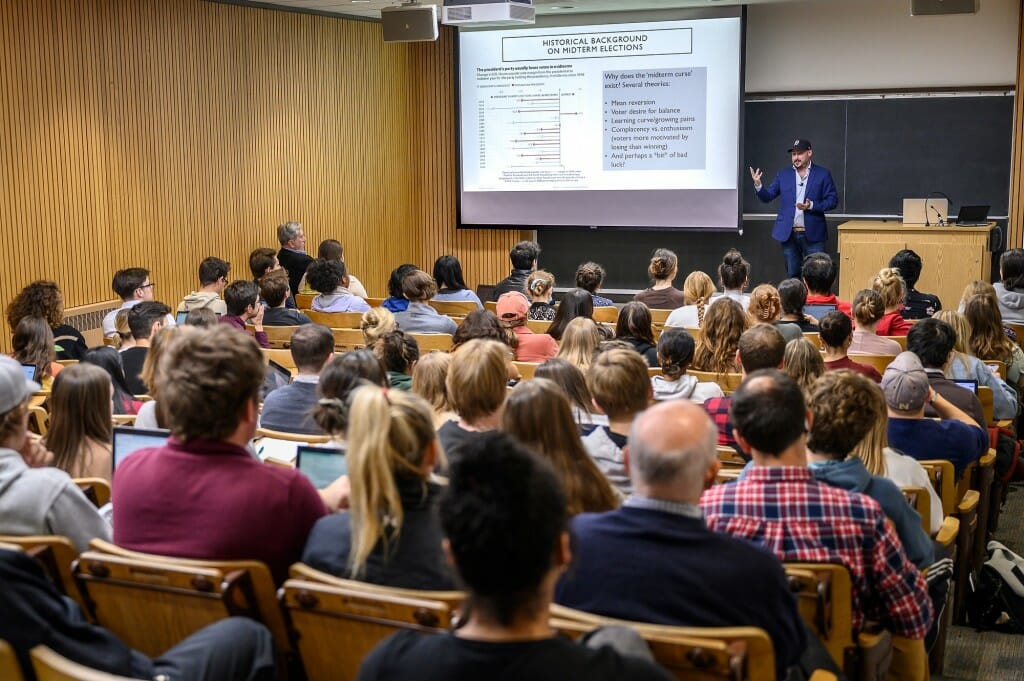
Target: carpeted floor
[974, 656]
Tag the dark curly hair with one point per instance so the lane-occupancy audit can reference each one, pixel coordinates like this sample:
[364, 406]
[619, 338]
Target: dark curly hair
[483, 324]
[38, 299]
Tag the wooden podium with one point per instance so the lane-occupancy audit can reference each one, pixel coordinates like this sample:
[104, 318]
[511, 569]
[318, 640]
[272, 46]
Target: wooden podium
[952, 256]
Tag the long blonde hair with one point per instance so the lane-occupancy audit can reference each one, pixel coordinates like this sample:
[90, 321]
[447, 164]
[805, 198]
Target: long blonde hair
[579, 341]
[719, 338]
[988, 340]
[376, 322]
[697, 290]
[962, 347]
[871, 448]
[803, 363]
[388, 435]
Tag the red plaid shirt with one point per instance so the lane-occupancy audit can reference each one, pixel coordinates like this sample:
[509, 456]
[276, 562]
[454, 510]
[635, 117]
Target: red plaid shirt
[803, 520]
[718, 409]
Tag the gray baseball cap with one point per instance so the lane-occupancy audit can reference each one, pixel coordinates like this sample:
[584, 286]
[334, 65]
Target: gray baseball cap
[905, 383]
[14, 387]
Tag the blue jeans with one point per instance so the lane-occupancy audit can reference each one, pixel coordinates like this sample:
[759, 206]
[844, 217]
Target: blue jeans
[795, 249]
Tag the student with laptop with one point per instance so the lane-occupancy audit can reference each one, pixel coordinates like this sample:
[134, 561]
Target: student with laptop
[933, 341]
[290, 408]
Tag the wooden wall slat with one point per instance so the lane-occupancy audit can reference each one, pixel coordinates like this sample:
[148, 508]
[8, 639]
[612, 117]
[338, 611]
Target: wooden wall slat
[156, 134]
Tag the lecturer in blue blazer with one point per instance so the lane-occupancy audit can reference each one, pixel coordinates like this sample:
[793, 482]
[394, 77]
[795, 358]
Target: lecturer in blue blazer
[806, 193]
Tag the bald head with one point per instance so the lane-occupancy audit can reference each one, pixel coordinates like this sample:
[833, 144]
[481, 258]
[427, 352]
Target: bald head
[672, 450]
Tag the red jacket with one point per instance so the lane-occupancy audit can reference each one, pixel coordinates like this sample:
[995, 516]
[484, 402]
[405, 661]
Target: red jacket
[892, 324]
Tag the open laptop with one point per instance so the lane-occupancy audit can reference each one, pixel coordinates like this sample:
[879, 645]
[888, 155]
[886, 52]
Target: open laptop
[322, 465]
[30, 371]
[968, 383]
[818, 311]
[972, 216]
[276, 377]
[180, 317]
[128, 440]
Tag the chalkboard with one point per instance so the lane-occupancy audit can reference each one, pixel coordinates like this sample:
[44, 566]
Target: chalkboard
[882, 150]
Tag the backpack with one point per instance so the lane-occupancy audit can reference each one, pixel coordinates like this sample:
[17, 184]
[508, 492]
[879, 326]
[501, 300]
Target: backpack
[995, 599]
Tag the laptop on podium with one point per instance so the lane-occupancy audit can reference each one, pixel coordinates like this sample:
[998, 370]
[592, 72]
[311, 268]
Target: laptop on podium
[972, 216]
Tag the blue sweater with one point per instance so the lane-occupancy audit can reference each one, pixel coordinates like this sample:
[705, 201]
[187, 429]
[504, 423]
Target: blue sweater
[946, 439]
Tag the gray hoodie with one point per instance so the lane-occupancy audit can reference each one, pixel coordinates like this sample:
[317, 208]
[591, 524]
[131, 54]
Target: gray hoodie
[1011, 304]
[686, 387]
[200, 299]
[45, 501]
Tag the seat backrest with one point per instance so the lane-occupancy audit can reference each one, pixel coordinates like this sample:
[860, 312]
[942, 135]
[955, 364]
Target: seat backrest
[526, 369]
[729, 457]
[902, 340]
[321, 616]
[921, 501]
[9, 667]
[97, 490]
[967, 513]
[606, 314]
[282, 357]
[824, 596]
[659, 317]
[336, 320]
[981, 480]
[56, 554]
[348, 339]
[39, 419]
[303, 301]
[727, 382]
[879, 362]
[292, 437]
[815, 338]
[943, 478]
[51, 666]
[491, 305]
[538, 325]
[428, 342]
[454, 599]
[280, 336]
[689, 653]
[987, 400]
[455, 308]
[247, 588]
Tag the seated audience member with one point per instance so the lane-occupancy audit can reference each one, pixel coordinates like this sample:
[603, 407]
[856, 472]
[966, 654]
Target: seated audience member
[292, 256]
[662, 295]
[34, 498]
[133, 286]
[428, 381]
[144, 319]
[213, 277]
[537, 414]
[398, 352]
[477, 384]
[331, 249]
[540, 285]
[882, 460]
[675, 352]
[634, 326]
[575, 303]
[339, 379]
[734, 276]
[965, 365]
[290, 407]
[793, 297]
[33, 344]
[389, 534]
[506, 532]
[483, 324]
[819, 274]
[204, 477]
[150, 414]
[988, 342]
[933, 341]
[836, 334]
[44, 299]
[262, 262]
[766, 308]
[376, 322]
[122, 340]
[618, 381]
[242, 299]
[275, 292]
[396, 300]
[868, 310]
[579, 342]
[803, 363]
[678, 572]
[330, 279]
[523, 257]
[79, 431]
[573, 383]
[451, 285]
[890, 286]
[916, 305]
[513, 309]
[780, 505]
[956, 436]
[698, 290]
[842, 416]
[760, 347]
[109, 359]
[36, 613]
[202, 317]
[418, 288]
[724, 323]
[589, 277]
[1010, 289]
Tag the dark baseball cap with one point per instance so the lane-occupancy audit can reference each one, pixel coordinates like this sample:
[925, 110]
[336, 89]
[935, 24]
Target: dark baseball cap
[800, 145]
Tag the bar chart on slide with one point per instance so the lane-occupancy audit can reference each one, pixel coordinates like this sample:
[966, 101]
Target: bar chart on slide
[523, 128]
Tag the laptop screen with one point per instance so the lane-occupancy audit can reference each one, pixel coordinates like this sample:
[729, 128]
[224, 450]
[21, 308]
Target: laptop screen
[180, 317]
[818, 311]
[277, 376]
[128, 440]
[30, 371]
[968, 383]
[322, 465]
[972, 215]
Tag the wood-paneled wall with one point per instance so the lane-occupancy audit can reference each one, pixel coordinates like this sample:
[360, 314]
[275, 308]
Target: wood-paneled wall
[158, 133]
[1015, 221]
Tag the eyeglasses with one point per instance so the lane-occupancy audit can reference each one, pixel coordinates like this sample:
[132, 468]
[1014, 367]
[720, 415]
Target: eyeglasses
[149, 285]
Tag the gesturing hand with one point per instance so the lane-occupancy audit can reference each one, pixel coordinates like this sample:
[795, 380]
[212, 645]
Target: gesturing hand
[804, 206]
[755, 175]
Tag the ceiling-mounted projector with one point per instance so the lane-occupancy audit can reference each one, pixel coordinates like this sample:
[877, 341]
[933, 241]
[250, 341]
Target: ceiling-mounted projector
[468, 12]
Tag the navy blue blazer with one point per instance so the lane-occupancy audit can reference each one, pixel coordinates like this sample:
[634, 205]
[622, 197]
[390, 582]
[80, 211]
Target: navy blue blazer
[820, 190]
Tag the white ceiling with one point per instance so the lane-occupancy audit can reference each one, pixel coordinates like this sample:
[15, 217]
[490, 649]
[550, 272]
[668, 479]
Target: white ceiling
[371, 8]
